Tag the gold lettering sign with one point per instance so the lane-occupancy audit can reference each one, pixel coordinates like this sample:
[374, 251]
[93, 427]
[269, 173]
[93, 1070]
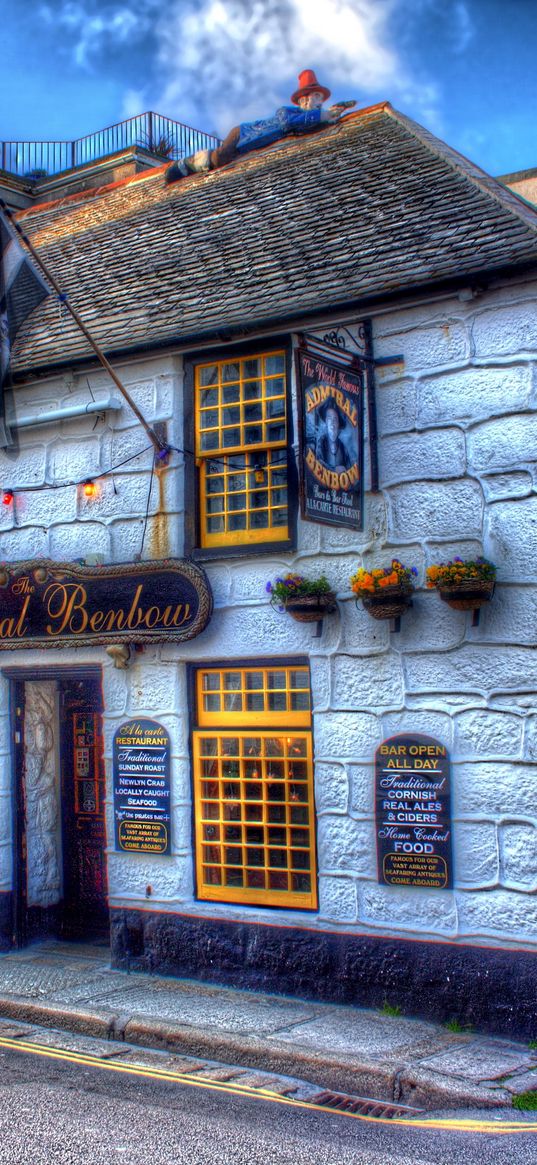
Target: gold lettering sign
[47, 604]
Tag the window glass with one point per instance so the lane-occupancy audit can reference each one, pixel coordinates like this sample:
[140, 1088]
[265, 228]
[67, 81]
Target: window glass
[241, 416]
[254, 809]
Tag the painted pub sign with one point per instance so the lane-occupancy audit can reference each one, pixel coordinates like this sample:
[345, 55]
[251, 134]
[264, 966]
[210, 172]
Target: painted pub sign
[413, 812]
[141, 764]
[332, 440]
[56, 604]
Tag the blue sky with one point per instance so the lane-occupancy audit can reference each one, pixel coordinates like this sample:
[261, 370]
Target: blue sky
[463, 68]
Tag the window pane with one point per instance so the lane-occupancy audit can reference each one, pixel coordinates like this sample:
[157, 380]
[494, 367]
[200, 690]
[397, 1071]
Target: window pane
[233, 833]
[259, 519]
[231, 416]
[231, 393]
[300, 701]
[209, 418]
[237, 481]
[275, 408]
[252, 746]
[208, 374]
[253, 390]
[276, 387]
[230, 372]
[252, 367]
[277, 701]
[274, 364]
[209, 746]
[253, 434]
[275, 432]
[237, 502]
[237, 521]
[253, 412]
[232, 702]
[211, 703]
[209, 396]
[255, 702]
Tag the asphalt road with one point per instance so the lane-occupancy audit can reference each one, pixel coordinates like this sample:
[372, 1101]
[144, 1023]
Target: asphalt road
[63, 1113]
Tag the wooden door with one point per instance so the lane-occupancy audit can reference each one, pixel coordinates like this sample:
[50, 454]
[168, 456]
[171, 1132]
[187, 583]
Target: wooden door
[20, 919]
[85, 897]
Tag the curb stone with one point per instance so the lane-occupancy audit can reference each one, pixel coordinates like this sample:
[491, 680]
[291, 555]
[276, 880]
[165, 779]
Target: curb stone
[405, 1084]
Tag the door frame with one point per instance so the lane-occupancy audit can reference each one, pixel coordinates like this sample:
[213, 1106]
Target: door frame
[17, 677]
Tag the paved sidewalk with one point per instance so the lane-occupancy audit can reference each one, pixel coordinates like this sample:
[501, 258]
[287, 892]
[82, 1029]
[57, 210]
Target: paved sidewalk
[345, 1049]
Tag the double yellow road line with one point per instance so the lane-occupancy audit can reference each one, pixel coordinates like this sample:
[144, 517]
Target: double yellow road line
[496, 1127]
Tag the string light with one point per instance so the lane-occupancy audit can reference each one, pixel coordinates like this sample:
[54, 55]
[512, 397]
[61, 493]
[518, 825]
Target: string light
[7, 497]
[90, 489]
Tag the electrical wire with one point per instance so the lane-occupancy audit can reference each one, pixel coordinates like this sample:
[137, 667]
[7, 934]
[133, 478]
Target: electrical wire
[89, 476]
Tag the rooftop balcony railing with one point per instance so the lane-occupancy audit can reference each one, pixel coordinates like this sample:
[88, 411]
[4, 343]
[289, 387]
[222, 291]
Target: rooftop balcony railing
[160, 135]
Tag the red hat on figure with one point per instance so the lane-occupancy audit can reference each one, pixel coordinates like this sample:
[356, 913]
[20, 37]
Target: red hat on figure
[309, 84]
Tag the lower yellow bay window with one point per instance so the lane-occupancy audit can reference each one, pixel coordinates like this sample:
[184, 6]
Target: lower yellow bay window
[255, 835]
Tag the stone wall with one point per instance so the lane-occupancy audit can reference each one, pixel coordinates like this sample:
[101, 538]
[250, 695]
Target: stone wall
[457, 457]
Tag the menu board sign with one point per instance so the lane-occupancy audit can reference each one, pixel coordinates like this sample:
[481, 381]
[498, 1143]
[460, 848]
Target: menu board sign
[142, 788]
[413, 814]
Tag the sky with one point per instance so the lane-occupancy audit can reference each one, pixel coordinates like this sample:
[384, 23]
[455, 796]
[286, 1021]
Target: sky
[465, 69]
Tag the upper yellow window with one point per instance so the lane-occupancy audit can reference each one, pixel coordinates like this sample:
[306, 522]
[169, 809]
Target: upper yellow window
[241, 449]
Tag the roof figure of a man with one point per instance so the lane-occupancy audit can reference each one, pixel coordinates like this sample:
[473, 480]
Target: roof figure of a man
[304, 115]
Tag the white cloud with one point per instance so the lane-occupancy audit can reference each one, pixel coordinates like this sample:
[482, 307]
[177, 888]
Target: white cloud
[212, 63]
[92, 30]
[236, 59]
[463, 30]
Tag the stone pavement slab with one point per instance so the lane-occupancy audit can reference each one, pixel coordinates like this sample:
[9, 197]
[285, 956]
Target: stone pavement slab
[483, 1060]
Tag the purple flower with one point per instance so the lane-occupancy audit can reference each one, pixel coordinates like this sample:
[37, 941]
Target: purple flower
[268, 588]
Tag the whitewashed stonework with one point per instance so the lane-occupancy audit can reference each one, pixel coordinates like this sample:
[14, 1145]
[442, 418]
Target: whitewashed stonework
[458, 467]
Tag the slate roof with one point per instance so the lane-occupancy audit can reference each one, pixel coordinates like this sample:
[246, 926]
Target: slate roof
[360, 210]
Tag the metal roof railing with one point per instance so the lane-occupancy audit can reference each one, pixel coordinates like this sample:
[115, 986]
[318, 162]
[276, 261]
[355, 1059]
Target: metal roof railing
[161, 135]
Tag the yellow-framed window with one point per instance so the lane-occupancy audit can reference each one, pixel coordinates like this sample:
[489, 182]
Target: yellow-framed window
[241, 449]
[253, 789]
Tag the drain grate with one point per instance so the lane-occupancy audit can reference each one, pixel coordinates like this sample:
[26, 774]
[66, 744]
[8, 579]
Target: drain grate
[363, 1105]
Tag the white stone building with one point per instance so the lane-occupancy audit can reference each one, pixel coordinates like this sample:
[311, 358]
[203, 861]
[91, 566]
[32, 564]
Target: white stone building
[186, 288]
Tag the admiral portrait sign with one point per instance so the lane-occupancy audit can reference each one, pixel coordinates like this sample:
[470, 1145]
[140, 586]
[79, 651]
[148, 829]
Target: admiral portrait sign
[332, 430]
[413, 817]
